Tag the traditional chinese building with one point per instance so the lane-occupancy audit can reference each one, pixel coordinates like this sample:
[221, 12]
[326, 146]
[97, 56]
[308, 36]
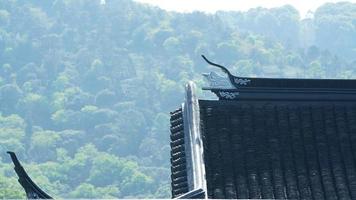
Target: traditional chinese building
[265, 138]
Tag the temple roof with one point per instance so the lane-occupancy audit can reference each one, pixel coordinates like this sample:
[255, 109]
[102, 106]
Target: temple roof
[294, 150]
[270, 138]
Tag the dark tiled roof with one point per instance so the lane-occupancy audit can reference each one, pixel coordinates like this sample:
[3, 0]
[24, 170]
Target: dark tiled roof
[296, 149]
[179, 182]
[271, 138]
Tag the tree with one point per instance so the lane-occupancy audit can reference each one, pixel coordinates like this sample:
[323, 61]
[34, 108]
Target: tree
[4, 18]
[35, 107]
[9, 95]
[105, 98]
[10, 189]
[43, 145]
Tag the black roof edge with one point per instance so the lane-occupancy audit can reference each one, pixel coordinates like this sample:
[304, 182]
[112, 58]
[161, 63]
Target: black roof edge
[233, 87]
[249, 82]
[31, 189]
[194, 194]
[284, 95]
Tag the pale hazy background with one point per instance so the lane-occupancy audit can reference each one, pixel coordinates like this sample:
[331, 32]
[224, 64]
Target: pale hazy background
[212, 6]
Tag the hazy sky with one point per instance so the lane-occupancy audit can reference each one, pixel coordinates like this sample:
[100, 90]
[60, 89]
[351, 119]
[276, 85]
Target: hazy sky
[213, 5]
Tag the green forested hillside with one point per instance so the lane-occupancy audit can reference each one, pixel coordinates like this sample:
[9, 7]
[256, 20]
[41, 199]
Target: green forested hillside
[86, 88]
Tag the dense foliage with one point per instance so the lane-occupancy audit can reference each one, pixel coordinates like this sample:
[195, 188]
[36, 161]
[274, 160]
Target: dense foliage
[86, 87]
